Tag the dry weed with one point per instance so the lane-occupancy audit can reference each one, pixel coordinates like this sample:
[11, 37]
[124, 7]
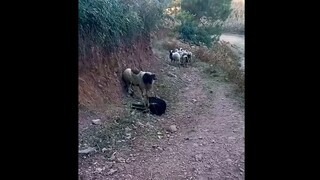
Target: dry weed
[235, 21]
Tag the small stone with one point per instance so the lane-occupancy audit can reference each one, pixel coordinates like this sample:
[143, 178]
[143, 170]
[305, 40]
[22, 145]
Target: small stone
[140, 124]
[128, 136]
[170, 74]
[113, 156]
[127, 129]
[149, 125]
[104, 149]
[242, 170]
[194, 100]
[99, 170]
[173, 128]
[211, 91]
[87, 151]
[96, 121]
[121, 160]
[112, 171]
[198, 157]
[130, 176]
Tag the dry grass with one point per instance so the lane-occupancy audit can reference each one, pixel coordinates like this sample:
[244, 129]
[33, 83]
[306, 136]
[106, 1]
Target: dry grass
[170, 44]
[235, 21]
[222, 56]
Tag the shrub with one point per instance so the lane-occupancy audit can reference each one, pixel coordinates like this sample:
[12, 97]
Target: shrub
[201, 20]
[107, 23]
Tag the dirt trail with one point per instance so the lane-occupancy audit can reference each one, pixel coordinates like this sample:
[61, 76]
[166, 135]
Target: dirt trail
[208, 143]
[237, 45]
[235, 39]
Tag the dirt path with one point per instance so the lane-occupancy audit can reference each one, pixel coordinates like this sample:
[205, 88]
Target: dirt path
[237, 45]
[236, 39]
[208, 143]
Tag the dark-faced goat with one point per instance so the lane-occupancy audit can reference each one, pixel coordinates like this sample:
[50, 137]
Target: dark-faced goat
[144, 80]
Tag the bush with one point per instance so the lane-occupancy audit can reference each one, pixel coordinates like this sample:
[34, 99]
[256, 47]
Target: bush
[108, 22]
[201, 20]
[215, 9]
[190, 31]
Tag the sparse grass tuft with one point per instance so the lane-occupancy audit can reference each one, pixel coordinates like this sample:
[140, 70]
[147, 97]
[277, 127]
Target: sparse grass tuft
[110, 135]
[119, 132]
[170, 45]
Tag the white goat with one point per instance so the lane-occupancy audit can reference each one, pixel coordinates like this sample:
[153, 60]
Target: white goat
[174, 56]
[144, 80]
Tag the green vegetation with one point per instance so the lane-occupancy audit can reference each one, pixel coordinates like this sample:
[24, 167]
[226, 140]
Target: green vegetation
[108, 23]
[202, 20]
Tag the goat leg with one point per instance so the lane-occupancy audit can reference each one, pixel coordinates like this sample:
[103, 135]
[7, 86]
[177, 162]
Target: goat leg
[138, 106]
[145, 97]
[130, 89]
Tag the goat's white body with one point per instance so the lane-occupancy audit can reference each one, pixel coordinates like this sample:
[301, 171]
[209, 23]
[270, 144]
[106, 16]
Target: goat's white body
[176, 56]
[136, 79]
